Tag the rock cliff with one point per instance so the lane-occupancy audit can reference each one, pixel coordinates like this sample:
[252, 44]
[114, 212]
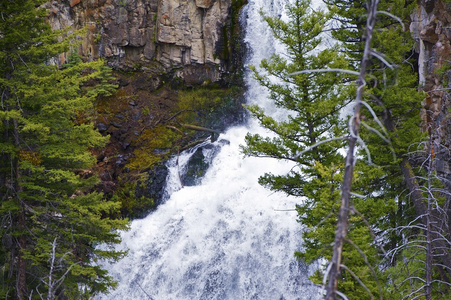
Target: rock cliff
[166, 55]
[431, 28]
[188, 38]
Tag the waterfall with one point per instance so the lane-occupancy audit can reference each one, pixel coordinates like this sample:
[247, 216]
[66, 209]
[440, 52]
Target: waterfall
[227, 237]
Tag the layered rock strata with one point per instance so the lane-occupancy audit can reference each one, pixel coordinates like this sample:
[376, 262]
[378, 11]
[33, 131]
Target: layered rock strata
[431, 28]
[181, 36]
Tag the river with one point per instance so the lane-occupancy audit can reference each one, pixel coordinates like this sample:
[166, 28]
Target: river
[227, 237]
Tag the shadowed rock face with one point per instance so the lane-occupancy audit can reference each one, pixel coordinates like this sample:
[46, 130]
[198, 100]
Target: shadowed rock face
[431, 28]
[180, 36]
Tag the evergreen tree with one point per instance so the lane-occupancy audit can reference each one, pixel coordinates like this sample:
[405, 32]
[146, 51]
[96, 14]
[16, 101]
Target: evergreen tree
[392, 95]
[314, 100]
[312, 137]
[51, 220]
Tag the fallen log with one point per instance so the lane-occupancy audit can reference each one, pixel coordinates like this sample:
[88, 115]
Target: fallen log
[214, 133]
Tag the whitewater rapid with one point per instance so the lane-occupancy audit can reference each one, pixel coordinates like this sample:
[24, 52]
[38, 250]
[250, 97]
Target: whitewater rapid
[228, 237]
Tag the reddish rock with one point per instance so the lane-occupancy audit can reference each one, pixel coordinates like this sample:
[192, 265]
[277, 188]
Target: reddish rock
[74, 2]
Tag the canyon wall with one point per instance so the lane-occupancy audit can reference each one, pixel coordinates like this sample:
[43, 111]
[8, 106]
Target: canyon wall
[431, 28]
[165, 55]
[191, 39]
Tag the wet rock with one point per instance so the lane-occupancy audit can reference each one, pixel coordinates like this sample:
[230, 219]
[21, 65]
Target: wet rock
[106, 176]
[125, 145]
[198, 164]
[107, 186]
[122, 82]
[121, 159]
[101, 127]
[154, 185]
[136, 116]
[223, 142]
[196, 169]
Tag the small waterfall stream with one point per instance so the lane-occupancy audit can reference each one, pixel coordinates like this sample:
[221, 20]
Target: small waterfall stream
[228, 237]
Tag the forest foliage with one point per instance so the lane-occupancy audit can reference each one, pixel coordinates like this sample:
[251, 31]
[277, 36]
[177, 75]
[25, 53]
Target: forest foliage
[397, 243]
[51, 217]
[397, 240]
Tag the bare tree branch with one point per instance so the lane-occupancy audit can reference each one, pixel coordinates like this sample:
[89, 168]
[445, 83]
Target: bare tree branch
[358, 280]
[393, 17]
[342, 225]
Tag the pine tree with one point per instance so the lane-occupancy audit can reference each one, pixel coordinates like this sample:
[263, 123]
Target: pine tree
[51, 221]
[312, 137]
[314, 100]
[391, 94]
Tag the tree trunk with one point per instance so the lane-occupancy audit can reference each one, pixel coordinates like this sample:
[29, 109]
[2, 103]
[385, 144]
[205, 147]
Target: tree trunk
[21, 265]
[414, 189]
[342, 226]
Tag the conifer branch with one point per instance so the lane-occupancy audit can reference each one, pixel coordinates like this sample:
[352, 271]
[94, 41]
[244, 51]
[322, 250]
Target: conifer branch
[358, 280]
[365, 258]
[325, 71]
[342, 225]
[373, 235]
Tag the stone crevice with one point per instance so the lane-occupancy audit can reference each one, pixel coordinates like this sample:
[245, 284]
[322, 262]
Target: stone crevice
[170, 34]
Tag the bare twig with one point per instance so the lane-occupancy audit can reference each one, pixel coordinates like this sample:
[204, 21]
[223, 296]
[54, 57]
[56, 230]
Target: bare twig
[317, 144]
[393, 17]
[380, 56]
[342, 225]
[358, 280]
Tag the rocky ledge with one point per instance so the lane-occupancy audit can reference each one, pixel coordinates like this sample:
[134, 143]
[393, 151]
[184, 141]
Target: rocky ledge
[189, 38]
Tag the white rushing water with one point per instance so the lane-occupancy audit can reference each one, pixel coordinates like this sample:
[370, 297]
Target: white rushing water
[227, 237]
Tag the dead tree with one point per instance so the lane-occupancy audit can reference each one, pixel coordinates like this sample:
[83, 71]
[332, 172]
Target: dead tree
[342, 225]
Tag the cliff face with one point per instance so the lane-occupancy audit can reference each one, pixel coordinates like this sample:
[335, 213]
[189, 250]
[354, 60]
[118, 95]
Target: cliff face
[186, 37]
[431, 28]
[159, 50]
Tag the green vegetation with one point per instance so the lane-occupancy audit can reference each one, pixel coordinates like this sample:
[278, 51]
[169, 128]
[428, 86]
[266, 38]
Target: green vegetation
[395, 153]
[131, 205]
[200, 106]
[51, 220]
[180, 125]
